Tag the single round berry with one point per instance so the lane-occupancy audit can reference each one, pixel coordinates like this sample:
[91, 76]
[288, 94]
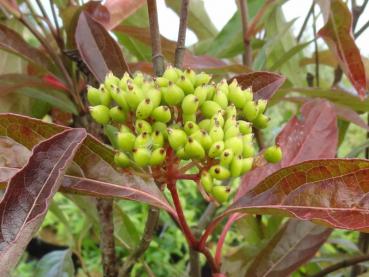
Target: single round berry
[273, 154]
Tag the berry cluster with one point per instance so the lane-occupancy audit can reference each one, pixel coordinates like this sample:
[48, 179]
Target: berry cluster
[182, 111]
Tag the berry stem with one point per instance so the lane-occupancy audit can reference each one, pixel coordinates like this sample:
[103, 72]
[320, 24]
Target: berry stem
[208, 231]
[194, 177]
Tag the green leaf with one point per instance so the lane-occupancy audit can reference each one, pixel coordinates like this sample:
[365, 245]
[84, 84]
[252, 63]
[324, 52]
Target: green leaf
[56, 264]
[125, 230]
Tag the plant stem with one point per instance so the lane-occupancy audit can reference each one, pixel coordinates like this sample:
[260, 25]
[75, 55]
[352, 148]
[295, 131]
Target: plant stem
[316, 50]
[180, 49]
[157, 56]
[342, 264]
[150, 227]
[361, 30]
[58, 35]
[105, 211]
[247, 55]
[303, 27]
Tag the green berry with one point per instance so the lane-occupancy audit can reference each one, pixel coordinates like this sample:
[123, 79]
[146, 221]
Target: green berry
[234, 143]
[216, 133]
[231, 111]
[190, 75]
[160, 126]
[248, 94]
[162, 82]
[236, 95]
[171, 74]
[261, 121]
[119, 97]
[111, 80]
[144, 109]
[206, 181]
[217, 119]
[141, 156]
[205, 124]
[248, 150]
[157, 139]
[176, 138]
[190, 127]
[93, 96]
[261, 106]
[202, 79]
[124, 128]
[247, 165]
[201, 93]
[142, 126]
[121, 159]
[155, 96]
[185, 84]
[190, 104]
[126, 141]
[173, 94]
[226, 157]
[245, 127]
[157, 156]
[123, 83]
[216, 149]
[210, 91]
[250, 111]
[143, 140]
[220, 193]
[105, 97]
[193, 149]
[229, 123]
[223, 86]
[138, 79]
[205, 139]
[221, 98]
[232, 131]
[219, 172]
[181, 153]
[236, 166]
[188, 117]
[117, 114]
[210, 108]
[162, 114]
[273, 154]
[100, 114]
[134, 96]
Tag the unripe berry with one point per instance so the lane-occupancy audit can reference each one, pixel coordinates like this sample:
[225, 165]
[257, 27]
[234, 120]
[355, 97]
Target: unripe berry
[234, 143]
[273, 154]
[223, 86]
[111, 80]
[117, 114]
[245, 127]
[226, 157]
[111, 132]
[201, 93]
[210, 91]
[176, 138]
[193, 149]
[171, 74]
[217, 119]
[160, 126]
[248, 94]
[219, 172]
[236, 166]
[158, 156]
[100, 114]
[220, 193]
[155, 96]
[105, 97]
[142, 126]
[202, 79]
[123, 83]
[126, 141]
[157, 139]
[210, 108]
[188, 117]
[190, 104]
[144, 109]
[221, 98]
[229, 123]
[162, 82]
[261, 106]
[250, 111]
[205, 139]
[231, 111]
[162, 114]
[124, 128]
[236, 95]
[232, 131]
[261, 121]
[173, 94]
[134, 96]
[191, 75]
[121, 159]
[138, 79]
[181, 153]
[205, 124]
[141, 156]
[246, 139]
[185, 84]
[143, 140]
[216, 133]
[248, 150]
[216, 149]
[190, 127]
[93, 96]
[247, 165]
[119, 97]
[206, 181]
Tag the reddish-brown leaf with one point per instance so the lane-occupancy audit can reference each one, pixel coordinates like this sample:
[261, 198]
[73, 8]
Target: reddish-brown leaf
[98, 49]
[313, 135]
[120, 10]
[98, 12]
[11, 41]
[29, 192]
[93, 160]
[330, 192]
[296, 243]
[264, 84]
[337, 34]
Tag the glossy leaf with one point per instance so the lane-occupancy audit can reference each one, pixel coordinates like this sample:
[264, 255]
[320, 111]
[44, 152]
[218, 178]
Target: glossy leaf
[98, 49]
[94, 160]
[120, 10]
[29, 192]
[13, 42]
[264, 84]
[296, 243]
[317, 125]
[330, 192]
[97, 11]
[56, 264]
[337, 34]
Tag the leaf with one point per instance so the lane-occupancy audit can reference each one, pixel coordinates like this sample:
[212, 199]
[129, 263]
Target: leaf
[335, 95]
[313, 135]
[56, 264]
[29, 192]
[326, 57]
[296, 243]
[98, 49]
[125, 228]
[330, 192]
[98, 12]
[120, 10]
[264, 84]
[198, 19]
[11, 41]
[94, 160]
[337, 34]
